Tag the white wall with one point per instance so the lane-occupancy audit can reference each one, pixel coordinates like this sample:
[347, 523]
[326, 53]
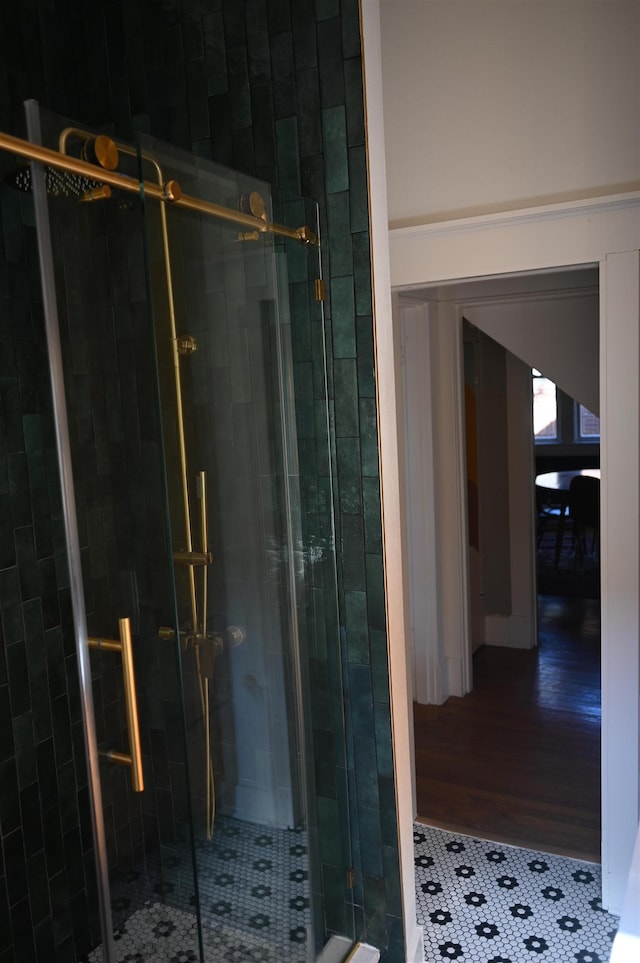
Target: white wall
[501, 104]
[557, 335]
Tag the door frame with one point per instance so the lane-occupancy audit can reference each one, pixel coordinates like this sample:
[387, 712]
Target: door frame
[603, 232]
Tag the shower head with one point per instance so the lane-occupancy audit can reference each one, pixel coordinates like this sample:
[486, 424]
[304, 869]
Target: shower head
[100, 151]
[60, 184]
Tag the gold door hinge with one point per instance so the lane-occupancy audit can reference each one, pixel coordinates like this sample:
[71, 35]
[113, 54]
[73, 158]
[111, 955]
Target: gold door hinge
[351, 878]
[321, 291]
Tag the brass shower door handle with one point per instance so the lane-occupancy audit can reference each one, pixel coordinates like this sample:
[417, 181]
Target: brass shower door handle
[134, 757]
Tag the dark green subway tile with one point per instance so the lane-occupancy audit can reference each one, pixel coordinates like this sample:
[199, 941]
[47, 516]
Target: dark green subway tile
[379, 665]
[11, 606]
[197, 99]
[25, 750]
[283, 76]
[175, 78]
[215, 53]
[9, 797]
[38, 889]
[354, 102]
[329, 831]
[234, 23]
[300, 321]
[352, 550]
[27, 562]
[334, 134]
[7, 749]
[303, 23]
[312, 179]
[369, 434]
[41, 514]
[356, 627]
[192, 32]
[341, 257]
[287, 154]
[202, 148]
[16, 875]
[16, 657]
[279, 15]
[4, 479]
[239, 93]
[371, 852]
[361, 701]
[358, 196]
[384, 748]
[34, 447]
[365, 355]
[324, 761]
[330, 63]
[243, 144]
[309, 123]
[343, 317]
[61, 727]
[345, 380]
[55, 662]
[7, 545]
[137, 78]
[221, 140]
[388, 821]
[19, 489]
[11, 407]
[257, 39]
[374, 903]
[349, 479]
[393, 893]
[31, 821]
[305, 413]
[376, 611]
[333, 879]
[395, 950]
[350, 22]
[362, 272]
[327, 8]
[37, 663]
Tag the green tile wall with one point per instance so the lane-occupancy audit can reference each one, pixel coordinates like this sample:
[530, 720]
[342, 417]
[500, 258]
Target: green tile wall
[272, 88]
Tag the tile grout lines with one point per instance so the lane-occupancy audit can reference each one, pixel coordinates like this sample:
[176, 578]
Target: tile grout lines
[484, 902]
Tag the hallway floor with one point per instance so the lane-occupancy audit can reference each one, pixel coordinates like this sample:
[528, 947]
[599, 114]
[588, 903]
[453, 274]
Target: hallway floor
[484, 902]
[517, 760]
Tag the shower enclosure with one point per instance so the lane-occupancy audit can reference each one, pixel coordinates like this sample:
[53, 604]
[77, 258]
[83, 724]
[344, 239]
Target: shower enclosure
[186, 342]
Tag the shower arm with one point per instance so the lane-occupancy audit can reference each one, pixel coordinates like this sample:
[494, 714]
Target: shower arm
[169, 191]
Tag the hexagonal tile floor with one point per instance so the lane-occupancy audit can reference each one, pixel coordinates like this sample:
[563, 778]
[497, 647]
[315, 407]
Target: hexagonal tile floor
[481, 902]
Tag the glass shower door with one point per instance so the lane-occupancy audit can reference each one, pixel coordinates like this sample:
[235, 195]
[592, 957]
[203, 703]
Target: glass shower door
[189, 367]
[241, 354]
[117, 548]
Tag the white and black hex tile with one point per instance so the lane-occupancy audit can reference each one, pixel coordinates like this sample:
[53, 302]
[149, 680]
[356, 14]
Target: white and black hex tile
[481, 902]
[253, 892]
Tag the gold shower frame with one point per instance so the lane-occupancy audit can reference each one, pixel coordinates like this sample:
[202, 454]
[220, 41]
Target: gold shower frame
[168, 192]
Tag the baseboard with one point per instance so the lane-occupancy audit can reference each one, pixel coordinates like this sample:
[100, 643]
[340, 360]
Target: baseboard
[415, 945]
[510, 631]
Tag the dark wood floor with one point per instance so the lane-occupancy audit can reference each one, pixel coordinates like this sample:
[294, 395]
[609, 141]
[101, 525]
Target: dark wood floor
[518, 759]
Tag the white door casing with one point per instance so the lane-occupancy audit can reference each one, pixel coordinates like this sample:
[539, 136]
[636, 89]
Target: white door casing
[546, 240]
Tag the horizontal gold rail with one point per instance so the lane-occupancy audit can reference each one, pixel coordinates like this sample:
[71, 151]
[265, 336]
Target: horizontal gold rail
[134, 757]
[169, 192]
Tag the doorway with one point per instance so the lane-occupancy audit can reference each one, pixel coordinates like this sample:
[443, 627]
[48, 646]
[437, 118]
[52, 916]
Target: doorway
[499, 788]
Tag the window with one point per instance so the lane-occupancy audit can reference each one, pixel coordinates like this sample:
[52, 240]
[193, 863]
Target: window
[545, 408]
[558, 419]
[588, 424]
